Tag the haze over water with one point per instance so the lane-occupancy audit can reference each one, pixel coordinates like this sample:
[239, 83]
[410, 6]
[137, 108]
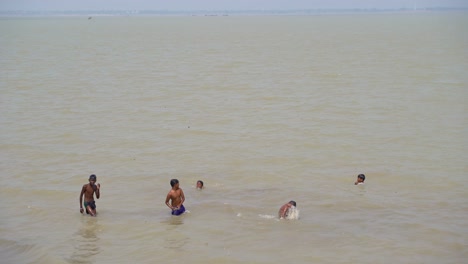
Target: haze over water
[263, 109]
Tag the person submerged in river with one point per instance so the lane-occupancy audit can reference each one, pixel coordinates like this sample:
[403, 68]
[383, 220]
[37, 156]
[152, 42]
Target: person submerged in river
[360, 179]
[88, 191]
[175, 198]
[199, 185]
[285, 209]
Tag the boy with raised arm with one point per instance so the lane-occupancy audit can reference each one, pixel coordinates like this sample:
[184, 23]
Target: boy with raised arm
[88, 191]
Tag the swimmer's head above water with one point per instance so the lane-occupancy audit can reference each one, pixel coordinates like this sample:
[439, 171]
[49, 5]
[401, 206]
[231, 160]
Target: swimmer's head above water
[199, 184]
[360, 179]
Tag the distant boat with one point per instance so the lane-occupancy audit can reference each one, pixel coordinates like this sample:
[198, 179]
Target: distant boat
[90, 18]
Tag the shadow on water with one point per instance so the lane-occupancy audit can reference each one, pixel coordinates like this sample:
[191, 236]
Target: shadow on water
[85, 241]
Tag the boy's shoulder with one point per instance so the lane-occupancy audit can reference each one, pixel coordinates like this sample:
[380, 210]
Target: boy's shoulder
[175, 192]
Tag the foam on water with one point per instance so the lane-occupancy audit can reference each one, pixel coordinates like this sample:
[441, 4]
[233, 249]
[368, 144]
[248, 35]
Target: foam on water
[293, 213]
[267, 216]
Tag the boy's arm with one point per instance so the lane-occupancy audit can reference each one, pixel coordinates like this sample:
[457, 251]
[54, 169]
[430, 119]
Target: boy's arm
[182, 197]
[168, 197]
[98, 192]
[83, 189]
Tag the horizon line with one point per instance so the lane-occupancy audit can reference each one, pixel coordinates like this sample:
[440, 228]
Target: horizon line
[242, 10]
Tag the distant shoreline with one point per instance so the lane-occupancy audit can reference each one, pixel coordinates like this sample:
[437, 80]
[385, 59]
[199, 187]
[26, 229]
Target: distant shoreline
[299, 12]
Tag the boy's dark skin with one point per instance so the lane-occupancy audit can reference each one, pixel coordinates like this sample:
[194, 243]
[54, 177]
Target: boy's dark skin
[88, 191]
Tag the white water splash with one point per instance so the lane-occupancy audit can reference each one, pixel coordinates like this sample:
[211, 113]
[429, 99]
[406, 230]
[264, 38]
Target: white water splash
[293, 213]
[267, 216]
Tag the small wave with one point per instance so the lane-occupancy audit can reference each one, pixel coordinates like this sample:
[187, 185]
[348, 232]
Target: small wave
[15, 252]
[267, 216]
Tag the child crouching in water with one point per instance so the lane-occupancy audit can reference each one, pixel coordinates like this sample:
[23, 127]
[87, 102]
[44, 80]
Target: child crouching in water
[288, 211]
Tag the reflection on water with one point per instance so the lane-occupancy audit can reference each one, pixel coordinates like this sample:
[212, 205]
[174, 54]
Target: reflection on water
[86, 241]
[174, 220]
[360, 189]
[175, 239]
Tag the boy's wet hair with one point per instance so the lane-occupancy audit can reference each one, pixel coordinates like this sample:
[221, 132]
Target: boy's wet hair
[92, 177]
[200, 182]
[362, 176]
[174, 182]
[292, 202]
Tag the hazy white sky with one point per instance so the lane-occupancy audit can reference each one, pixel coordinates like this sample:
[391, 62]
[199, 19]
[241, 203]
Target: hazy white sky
[177, 5]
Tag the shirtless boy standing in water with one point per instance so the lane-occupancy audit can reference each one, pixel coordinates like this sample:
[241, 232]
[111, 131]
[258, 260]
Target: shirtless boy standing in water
[177, 198]
[88, 191]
